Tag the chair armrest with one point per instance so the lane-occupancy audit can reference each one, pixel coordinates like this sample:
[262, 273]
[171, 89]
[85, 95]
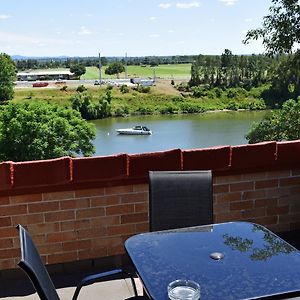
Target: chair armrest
[109, 275]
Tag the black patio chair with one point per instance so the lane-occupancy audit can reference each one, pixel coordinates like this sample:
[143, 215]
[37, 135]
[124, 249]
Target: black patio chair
[31, 263]
[180, 199]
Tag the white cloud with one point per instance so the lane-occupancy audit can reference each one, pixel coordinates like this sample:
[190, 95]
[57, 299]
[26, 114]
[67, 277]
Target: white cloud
[164, 5]
[152, 18]
[84, 31]
[188, 4]
[4, 17]
[171, 31]
[228, 2]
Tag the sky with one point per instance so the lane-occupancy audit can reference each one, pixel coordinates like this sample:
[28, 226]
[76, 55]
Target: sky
[136, 27]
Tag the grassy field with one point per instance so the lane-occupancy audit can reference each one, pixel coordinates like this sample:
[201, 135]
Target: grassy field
[161, 71]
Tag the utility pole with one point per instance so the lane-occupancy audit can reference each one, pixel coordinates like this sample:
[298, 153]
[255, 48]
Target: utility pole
[100, 78]
[125, 65]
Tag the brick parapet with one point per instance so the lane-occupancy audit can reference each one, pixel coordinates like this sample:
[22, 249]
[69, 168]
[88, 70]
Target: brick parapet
[76, 216]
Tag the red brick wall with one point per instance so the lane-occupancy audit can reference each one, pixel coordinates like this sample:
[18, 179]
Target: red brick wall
[85, 208]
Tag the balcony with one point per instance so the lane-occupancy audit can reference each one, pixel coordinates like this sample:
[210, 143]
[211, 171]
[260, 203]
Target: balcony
[80, 211]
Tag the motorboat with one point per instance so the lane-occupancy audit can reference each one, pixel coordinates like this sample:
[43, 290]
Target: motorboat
[136, 130]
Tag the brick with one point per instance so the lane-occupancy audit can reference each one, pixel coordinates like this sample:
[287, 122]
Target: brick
[227, 217]
[120, 209]
[77, 224]
[290, 181]
[291, 218]
[58, 196]
[244, 205]
[119, 190]
[7, 264]
[106, 221]
[9, 253]
[121, 229]
[50, 248]
[4, 200]
[92, 253]
[228, 179]
[265, 184]
[96, 232]
[265, 202]
[254, 176]
[106, 242]
[134, 218]
[75, 203]
[115, 250]
[267, 220]
[61, 236]
[8, 232]
[134, 198]
[6, 243]
[25, 198]
[105, 200]
[141, 207]
[5, 222]
[278, 174]
[279, 227]
[228, 197]
[43, 207]
[90, 213]
[63, 257]
[142, 227]
[89, 193]
[241, 186]
[59, 216]
[13, 210]
[287, 152]
[221, 208]
[27, 219]
[45, 228]
[277, 192]
[253, 213]
[253, 195]
[220, 188]
[141, 188]
[78, 245]
[281, 210]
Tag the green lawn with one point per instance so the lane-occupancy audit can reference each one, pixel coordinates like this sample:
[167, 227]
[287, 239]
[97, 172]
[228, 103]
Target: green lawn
[161, 71]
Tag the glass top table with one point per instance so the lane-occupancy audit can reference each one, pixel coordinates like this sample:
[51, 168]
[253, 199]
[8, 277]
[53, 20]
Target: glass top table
[235, 260]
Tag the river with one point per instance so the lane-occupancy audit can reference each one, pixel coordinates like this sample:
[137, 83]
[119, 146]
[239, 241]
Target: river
[175, 131]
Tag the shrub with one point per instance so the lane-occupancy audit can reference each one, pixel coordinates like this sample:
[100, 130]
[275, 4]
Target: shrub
[124, 89]
[81, 88]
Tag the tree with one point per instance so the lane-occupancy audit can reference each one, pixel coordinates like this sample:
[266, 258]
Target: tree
[7, 77]
[280, 29]
[37, 130]
[78, 69]
[115, 68]
[278, 125]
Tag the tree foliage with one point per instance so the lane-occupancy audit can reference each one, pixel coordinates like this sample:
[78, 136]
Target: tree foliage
[7, 77]
[278, 125]
[90, 109]
[115, 68]
[280, 29]
[78, 69]
[37, 130]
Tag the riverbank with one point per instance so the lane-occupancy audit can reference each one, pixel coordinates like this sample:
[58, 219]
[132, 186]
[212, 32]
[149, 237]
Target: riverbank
[163, 98]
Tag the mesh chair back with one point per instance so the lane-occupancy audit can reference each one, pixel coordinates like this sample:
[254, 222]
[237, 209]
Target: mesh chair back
[33, 266]
[180, 199]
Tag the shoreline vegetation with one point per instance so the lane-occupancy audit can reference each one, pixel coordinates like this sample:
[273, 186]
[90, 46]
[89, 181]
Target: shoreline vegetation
[167, 96]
